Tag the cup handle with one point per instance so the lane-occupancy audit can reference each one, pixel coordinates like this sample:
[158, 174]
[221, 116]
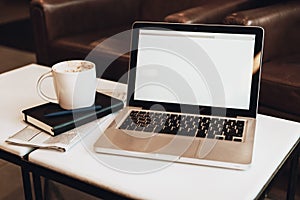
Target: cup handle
[39, 88]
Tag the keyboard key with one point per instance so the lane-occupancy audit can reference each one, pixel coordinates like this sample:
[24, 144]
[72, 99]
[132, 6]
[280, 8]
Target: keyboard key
[149, 128]
[219, 137]
[237, 140]
[228, 137]
[200, 133]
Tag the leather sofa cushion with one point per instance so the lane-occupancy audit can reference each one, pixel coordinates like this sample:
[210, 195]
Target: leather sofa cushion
[280, 85]
[157, 10]
[85, 42]
[65, 17]
[108, 53]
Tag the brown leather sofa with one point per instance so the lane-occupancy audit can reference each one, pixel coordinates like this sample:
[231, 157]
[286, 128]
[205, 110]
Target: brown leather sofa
[71, 29]
[280, 85]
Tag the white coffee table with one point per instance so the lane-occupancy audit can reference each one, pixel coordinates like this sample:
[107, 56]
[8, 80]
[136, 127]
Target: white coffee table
[117, 176]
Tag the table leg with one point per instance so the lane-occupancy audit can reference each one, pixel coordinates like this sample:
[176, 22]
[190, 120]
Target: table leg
[293, 175]
[26, 184]
[37, 186]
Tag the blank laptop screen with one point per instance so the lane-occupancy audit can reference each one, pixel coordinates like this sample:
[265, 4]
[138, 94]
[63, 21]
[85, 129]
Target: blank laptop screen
[195, 68]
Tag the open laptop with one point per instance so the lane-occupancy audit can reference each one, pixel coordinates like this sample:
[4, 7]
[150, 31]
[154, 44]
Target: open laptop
[192, 95]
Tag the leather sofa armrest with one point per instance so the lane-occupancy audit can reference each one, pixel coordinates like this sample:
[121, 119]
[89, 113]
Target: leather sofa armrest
[212, 12]
[281, 23]
[66, 17]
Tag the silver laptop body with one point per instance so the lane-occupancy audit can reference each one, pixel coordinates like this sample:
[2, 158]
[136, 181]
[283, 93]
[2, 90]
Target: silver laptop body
[192, 95]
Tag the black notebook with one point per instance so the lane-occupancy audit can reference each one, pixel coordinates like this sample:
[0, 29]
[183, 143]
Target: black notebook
[40, 116]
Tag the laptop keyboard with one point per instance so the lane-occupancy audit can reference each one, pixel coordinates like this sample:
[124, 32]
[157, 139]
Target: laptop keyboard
[187, 125]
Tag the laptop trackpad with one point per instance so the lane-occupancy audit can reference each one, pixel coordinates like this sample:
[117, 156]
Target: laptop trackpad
[153, 143]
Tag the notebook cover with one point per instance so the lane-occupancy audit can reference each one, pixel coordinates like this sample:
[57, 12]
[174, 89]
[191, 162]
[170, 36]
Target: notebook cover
[59, 124]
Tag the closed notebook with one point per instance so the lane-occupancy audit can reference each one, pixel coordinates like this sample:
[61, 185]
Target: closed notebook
[38, 116]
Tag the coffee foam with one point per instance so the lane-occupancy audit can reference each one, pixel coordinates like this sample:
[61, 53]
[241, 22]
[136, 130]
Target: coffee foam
[74, 67]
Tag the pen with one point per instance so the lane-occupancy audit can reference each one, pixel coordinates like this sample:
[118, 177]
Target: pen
[68, 112]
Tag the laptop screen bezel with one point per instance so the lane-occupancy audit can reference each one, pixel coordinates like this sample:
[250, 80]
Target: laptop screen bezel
[196, 109]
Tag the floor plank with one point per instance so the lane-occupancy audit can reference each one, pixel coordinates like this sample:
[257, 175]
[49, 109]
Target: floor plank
[10, 182]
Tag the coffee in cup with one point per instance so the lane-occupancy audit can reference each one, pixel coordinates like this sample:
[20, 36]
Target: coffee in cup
[74, 82]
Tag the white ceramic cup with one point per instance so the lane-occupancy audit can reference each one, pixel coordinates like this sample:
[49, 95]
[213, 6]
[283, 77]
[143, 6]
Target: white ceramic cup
[74, 82]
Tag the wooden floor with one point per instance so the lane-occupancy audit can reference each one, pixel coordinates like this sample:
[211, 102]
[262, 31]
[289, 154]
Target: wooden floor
[11, 186]
[10, 182]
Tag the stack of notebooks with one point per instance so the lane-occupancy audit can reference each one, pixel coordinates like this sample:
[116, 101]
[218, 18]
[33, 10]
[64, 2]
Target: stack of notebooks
[49, 119]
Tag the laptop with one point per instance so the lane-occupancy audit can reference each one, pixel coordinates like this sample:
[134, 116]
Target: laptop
[192, 95]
